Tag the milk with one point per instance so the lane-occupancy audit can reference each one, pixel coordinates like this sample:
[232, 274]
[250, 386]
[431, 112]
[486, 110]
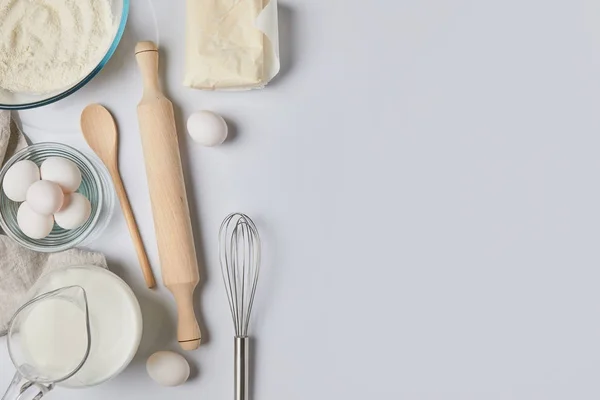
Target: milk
[55, 338]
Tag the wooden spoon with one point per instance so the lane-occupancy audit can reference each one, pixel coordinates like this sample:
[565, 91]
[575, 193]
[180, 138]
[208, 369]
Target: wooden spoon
[100, 132]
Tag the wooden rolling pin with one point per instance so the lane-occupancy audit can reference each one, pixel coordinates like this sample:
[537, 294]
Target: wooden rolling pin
[167, 193]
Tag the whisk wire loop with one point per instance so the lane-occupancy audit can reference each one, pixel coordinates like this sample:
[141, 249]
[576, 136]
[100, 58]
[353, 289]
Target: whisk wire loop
[240, 256]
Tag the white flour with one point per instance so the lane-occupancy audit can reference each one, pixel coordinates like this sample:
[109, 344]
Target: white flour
[47, 45]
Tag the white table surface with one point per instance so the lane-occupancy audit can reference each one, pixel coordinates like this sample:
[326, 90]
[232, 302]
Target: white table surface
[425, 178]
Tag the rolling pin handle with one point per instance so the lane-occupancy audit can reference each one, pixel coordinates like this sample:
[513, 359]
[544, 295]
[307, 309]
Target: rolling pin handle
[146, 54]
[188, 331]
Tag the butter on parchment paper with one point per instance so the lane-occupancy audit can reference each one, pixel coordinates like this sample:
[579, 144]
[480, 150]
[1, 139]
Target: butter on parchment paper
[231, 44]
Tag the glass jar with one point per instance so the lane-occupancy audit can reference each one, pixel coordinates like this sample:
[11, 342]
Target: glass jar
[96, 186]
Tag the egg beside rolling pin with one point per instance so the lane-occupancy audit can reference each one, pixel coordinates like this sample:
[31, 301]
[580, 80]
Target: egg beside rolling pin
[168, 368]
[207, 128]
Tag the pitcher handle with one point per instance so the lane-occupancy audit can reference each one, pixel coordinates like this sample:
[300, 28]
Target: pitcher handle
[23, 389]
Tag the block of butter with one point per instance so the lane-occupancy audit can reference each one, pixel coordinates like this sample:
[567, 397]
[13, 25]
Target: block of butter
[231, 44]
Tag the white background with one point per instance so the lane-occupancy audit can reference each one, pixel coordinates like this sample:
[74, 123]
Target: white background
[425, 178]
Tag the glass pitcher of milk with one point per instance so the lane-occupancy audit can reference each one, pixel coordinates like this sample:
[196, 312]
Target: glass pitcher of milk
[82, 327]
[48, 341]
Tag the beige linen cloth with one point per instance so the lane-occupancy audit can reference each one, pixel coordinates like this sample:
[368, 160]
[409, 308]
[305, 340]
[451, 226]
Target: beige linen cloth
[20, 268]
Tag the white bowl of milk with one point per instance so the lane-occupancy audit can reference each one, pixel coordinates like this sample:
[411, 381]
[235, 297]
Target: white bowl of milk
[115, 326]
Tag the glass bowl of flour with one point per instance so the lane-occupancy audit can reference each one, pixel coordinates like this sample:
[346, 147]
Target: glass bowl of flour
[49, 50]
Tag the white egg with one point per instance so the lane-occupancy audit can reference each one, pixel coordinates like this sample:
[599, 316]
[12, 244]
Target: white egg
[74, 212]
[207, 128]
[45, 197]
[18, 178]
[168, 368]
[32, 224]
[63, 172]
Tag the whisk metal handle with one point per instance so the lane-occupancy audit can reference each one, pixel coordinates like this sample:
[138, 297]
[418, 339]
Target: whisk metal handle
[241, 346]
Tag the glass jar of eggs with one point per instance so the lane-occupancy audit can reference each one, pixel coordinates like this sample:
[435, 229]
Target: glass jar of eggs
[95, 187]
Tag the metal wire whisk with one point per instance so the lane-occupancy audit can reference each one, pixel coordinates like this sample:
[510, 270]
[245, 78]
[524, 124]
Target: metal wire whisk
[239, 253]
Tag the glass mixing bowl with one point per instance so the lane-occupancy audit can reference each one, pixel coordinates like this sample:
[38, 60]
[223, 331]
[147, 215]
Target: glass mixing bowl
[22, 101]
[96, 185]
